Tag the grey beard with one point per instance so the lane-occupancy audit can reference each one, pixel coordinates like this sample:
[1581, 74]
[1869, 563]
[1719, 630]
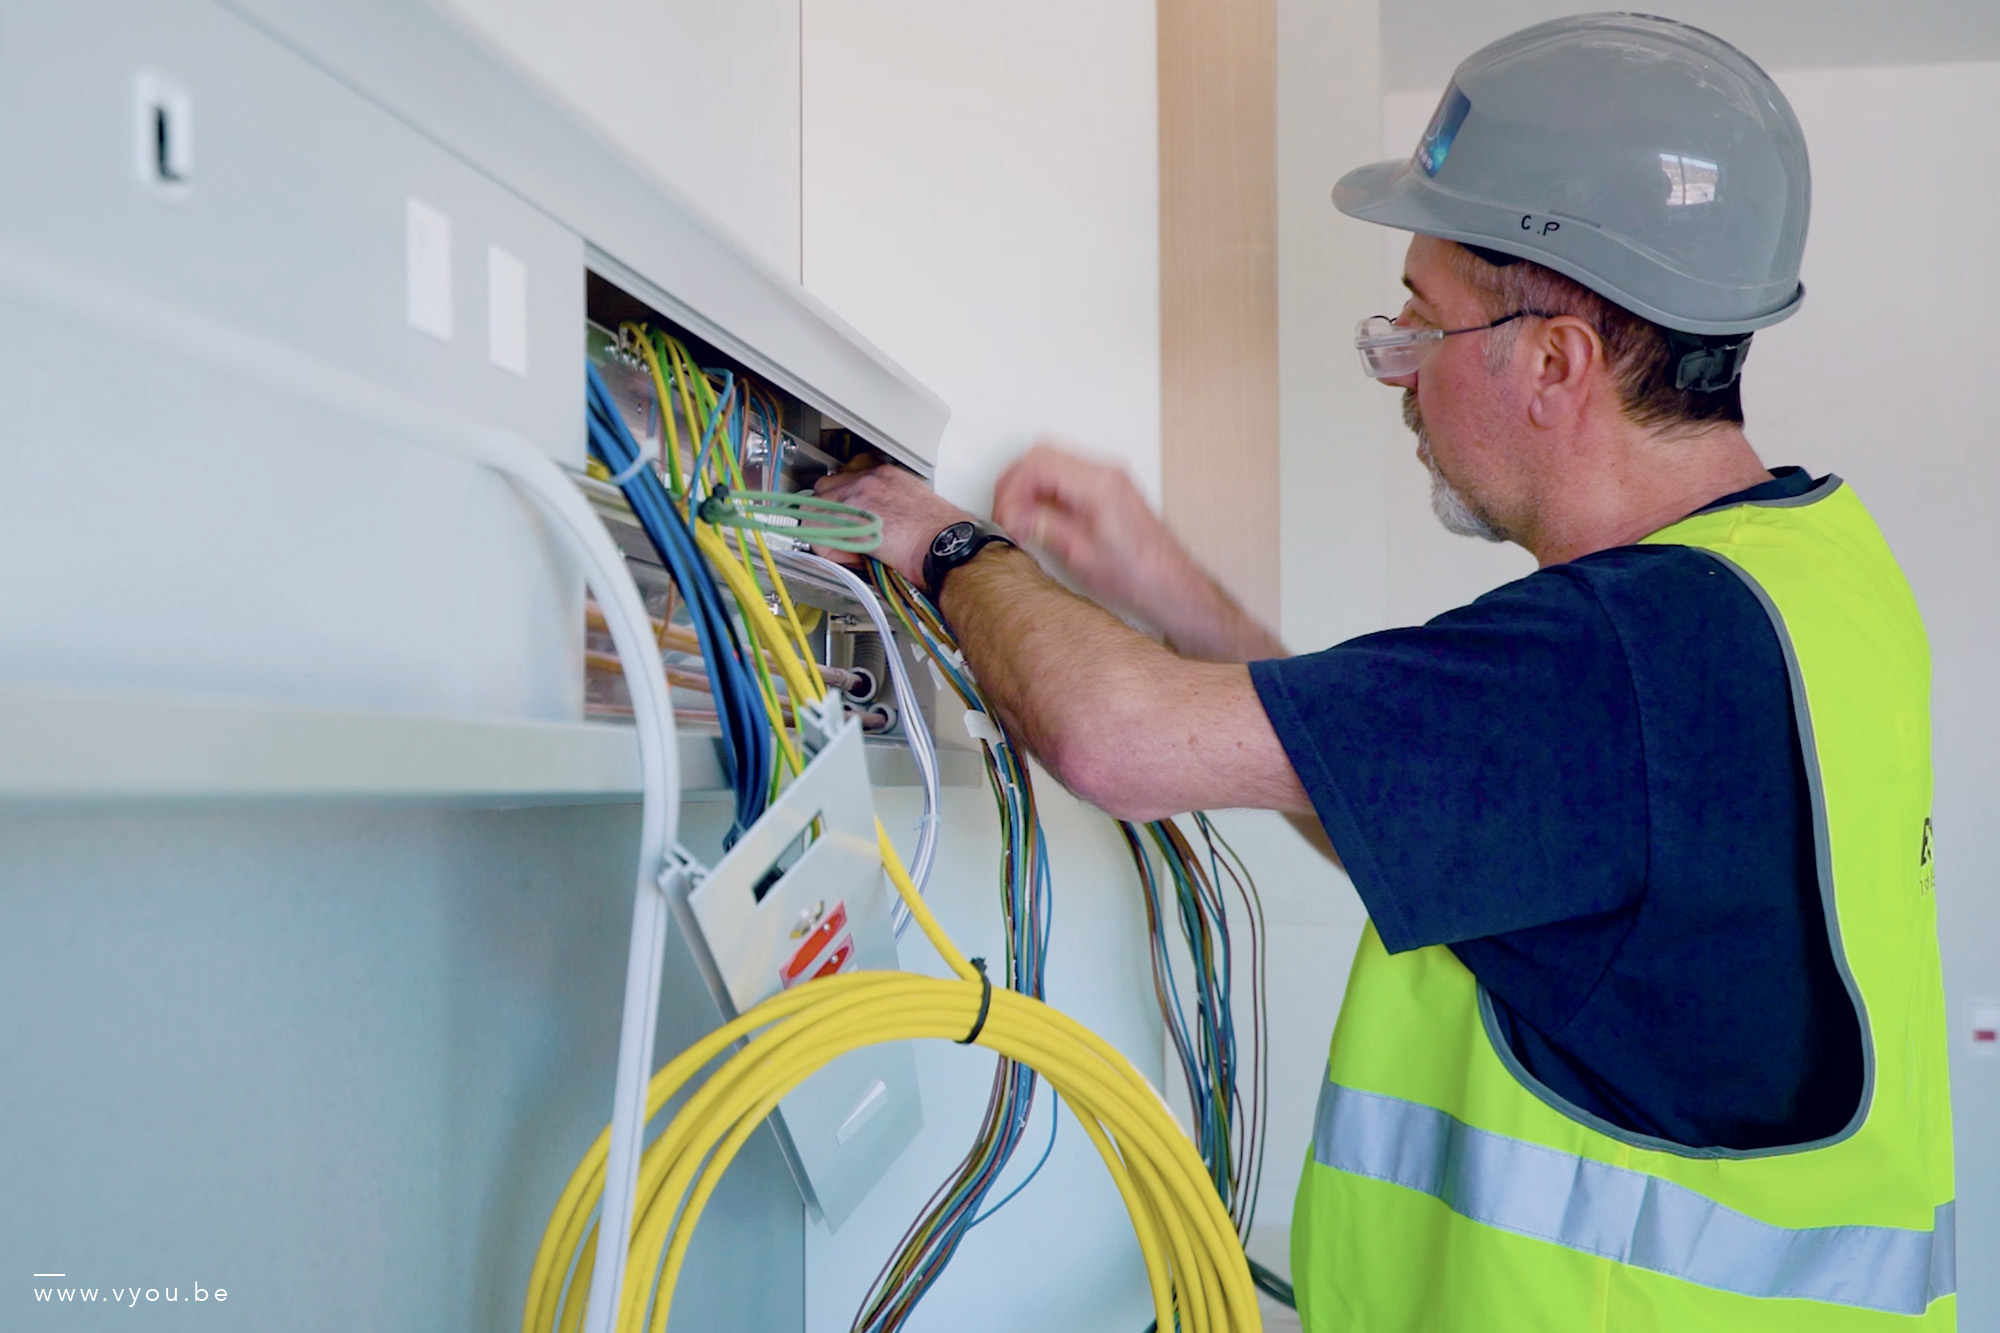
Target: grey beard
[1457, 514]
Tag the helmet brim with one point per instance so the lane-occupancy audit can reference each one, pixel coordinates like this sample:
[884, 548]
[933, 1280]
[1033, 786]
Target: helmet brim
[1386, 193]
[1369, 193]
[1392, 194]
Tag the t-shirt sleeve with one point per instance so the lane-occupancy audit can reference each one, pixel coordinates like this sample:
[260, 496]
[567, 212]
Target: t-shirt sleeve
[1479, 774]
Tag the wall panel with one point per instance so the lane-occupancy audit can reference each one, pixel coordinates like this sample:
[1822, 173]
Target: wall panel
[981, 202]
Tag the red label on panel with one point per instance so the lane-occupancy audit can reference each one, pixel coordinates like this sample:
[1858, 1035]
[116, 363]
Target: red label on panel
[838, 962]
[813, 946]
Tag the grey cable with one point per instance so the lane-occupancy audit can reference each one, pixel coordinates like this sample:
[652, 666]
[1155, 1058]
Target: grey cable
[923, 749]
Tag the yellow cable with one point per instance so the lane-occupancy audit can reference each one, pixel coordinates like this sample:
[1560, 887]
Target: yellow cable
[1195, 1267]
[696, 392]
[771, 571]
[682, 376]
[805, 685]
[767, 693]
[791, 611]
[662, 399]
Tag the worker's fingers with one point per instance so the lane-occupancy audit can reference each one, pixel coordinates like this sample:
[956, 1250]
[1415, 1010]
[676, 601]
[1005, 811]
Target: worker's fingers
[911, 512]
[1051, 475]
[1092, 517]
[1051, 500]
[1088, 515]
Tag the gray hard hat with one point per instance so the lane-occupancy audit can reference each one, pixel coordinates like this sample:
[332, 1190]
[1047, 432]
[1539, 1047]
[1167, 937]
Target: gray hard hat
[1650, 161]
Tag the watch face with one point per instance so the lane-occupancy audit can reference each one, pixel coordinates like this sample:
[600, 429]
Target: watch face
[953, 539]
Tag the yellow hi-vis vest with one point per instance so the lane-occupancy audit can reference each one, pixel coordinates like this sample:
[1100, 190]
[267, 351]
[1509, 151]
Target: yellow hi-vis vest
[1448, 1189]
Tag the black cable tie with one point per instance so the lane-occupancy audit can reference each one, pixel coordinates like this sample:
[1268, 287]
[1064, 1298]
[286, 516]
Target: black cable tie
[985, 1001]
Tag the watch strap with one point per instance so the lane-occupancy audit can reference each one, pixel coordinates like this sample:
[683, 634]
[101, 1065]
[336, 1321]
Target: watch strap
[937, 566]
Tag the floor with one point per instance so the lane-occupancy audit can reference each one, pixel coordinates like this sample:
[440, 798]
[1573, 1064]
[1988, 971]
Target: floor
[1278, 1319]
[1272, 1247]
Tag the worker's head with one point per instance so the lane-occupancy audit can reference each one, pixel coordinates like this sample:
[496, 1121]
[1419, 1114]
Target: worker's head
[1512, 365]
[1624, 199]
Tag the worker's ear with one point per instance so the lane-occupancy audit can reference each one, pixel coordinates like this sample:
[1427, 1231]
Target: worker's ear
[1565, 356]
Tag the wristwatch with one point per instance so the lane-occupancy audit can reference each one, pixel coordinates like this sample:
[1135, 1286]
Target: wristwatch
[953, 547]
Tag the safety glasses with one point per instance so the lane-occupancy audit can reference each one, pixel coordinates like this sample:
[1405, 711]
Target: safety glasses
[1390, 350]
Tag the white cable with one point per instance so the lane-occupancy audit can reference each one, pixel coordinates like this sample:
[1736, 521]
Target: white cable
[923, 749]
[262, 363]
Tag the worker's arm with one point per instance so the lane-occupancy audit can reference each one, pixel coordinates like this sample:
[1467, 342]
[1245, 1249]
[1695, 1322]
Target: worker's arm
[1092, 518]
[1134, 728]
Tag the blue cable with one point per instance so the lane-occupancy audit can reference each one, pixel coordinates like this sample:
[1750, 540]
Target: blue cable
[748, 747]
[715, 420]
[1054, 1120]
[1029, 923]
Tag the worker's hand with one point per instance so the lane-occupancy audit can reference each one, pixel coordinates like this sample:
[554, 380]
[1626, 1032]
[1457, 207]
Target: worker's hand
[1092, 518]
[911, 512]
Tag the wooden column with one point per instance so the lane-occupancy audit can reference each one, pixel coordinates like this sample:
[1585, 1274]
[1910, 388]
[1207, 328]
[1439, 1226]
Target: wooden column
[1219, 289]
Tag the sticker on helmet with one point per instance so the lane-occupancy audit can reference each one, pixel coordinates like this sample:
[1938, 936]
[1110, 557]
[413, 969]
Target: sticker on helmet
[1445, 121]
[1690, 180]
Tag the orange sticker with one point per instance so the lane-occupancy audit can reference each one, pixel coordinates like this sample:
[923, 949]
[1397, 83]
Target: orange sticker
[815, 944]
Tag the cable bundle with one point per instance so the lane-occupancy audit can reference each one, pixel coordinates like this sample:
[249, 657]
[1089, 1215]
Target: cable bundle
[680, 513]
[959, 1203]
[799, 515]
[1228, 1124]
[1229, 1129]
[738, 705]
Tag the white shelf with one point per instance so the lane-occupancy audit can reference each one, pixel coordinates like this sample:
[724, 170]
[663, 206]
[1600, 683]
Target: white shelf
[74, 745]
[63, 745]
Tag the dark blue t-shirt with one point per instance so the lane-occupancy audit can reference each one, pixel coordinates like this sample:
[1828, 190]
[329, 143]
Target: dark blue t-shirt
[1588, 784]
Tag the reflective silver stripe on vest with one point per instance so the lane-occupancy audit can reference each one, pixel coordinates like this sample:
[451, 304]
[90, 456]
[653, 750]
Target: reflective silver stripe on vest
[1628, 1215]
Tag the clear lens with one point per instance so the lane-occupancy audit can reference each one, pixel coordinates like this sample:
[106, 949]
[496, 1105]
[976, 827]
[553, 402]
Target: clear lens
[1389, 350]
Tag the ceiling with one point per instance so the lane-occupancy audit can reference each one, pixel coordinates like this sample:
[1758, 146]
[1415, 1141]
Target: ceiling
[1423, 40]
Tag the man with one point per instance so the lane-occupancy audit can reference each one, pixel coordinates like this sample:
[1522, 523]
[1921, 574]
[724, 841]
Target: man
[1646, 1030]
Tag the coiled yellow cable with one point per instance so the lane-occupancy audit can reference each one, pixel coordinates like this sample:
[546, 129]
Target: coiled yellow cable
[1195, 1267]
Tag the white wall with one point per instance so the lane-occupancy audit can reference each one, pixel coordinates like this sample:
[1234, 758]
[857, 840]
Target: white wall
[981, 202]
[705, 95]
[1901, 239]
[1885, 377]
